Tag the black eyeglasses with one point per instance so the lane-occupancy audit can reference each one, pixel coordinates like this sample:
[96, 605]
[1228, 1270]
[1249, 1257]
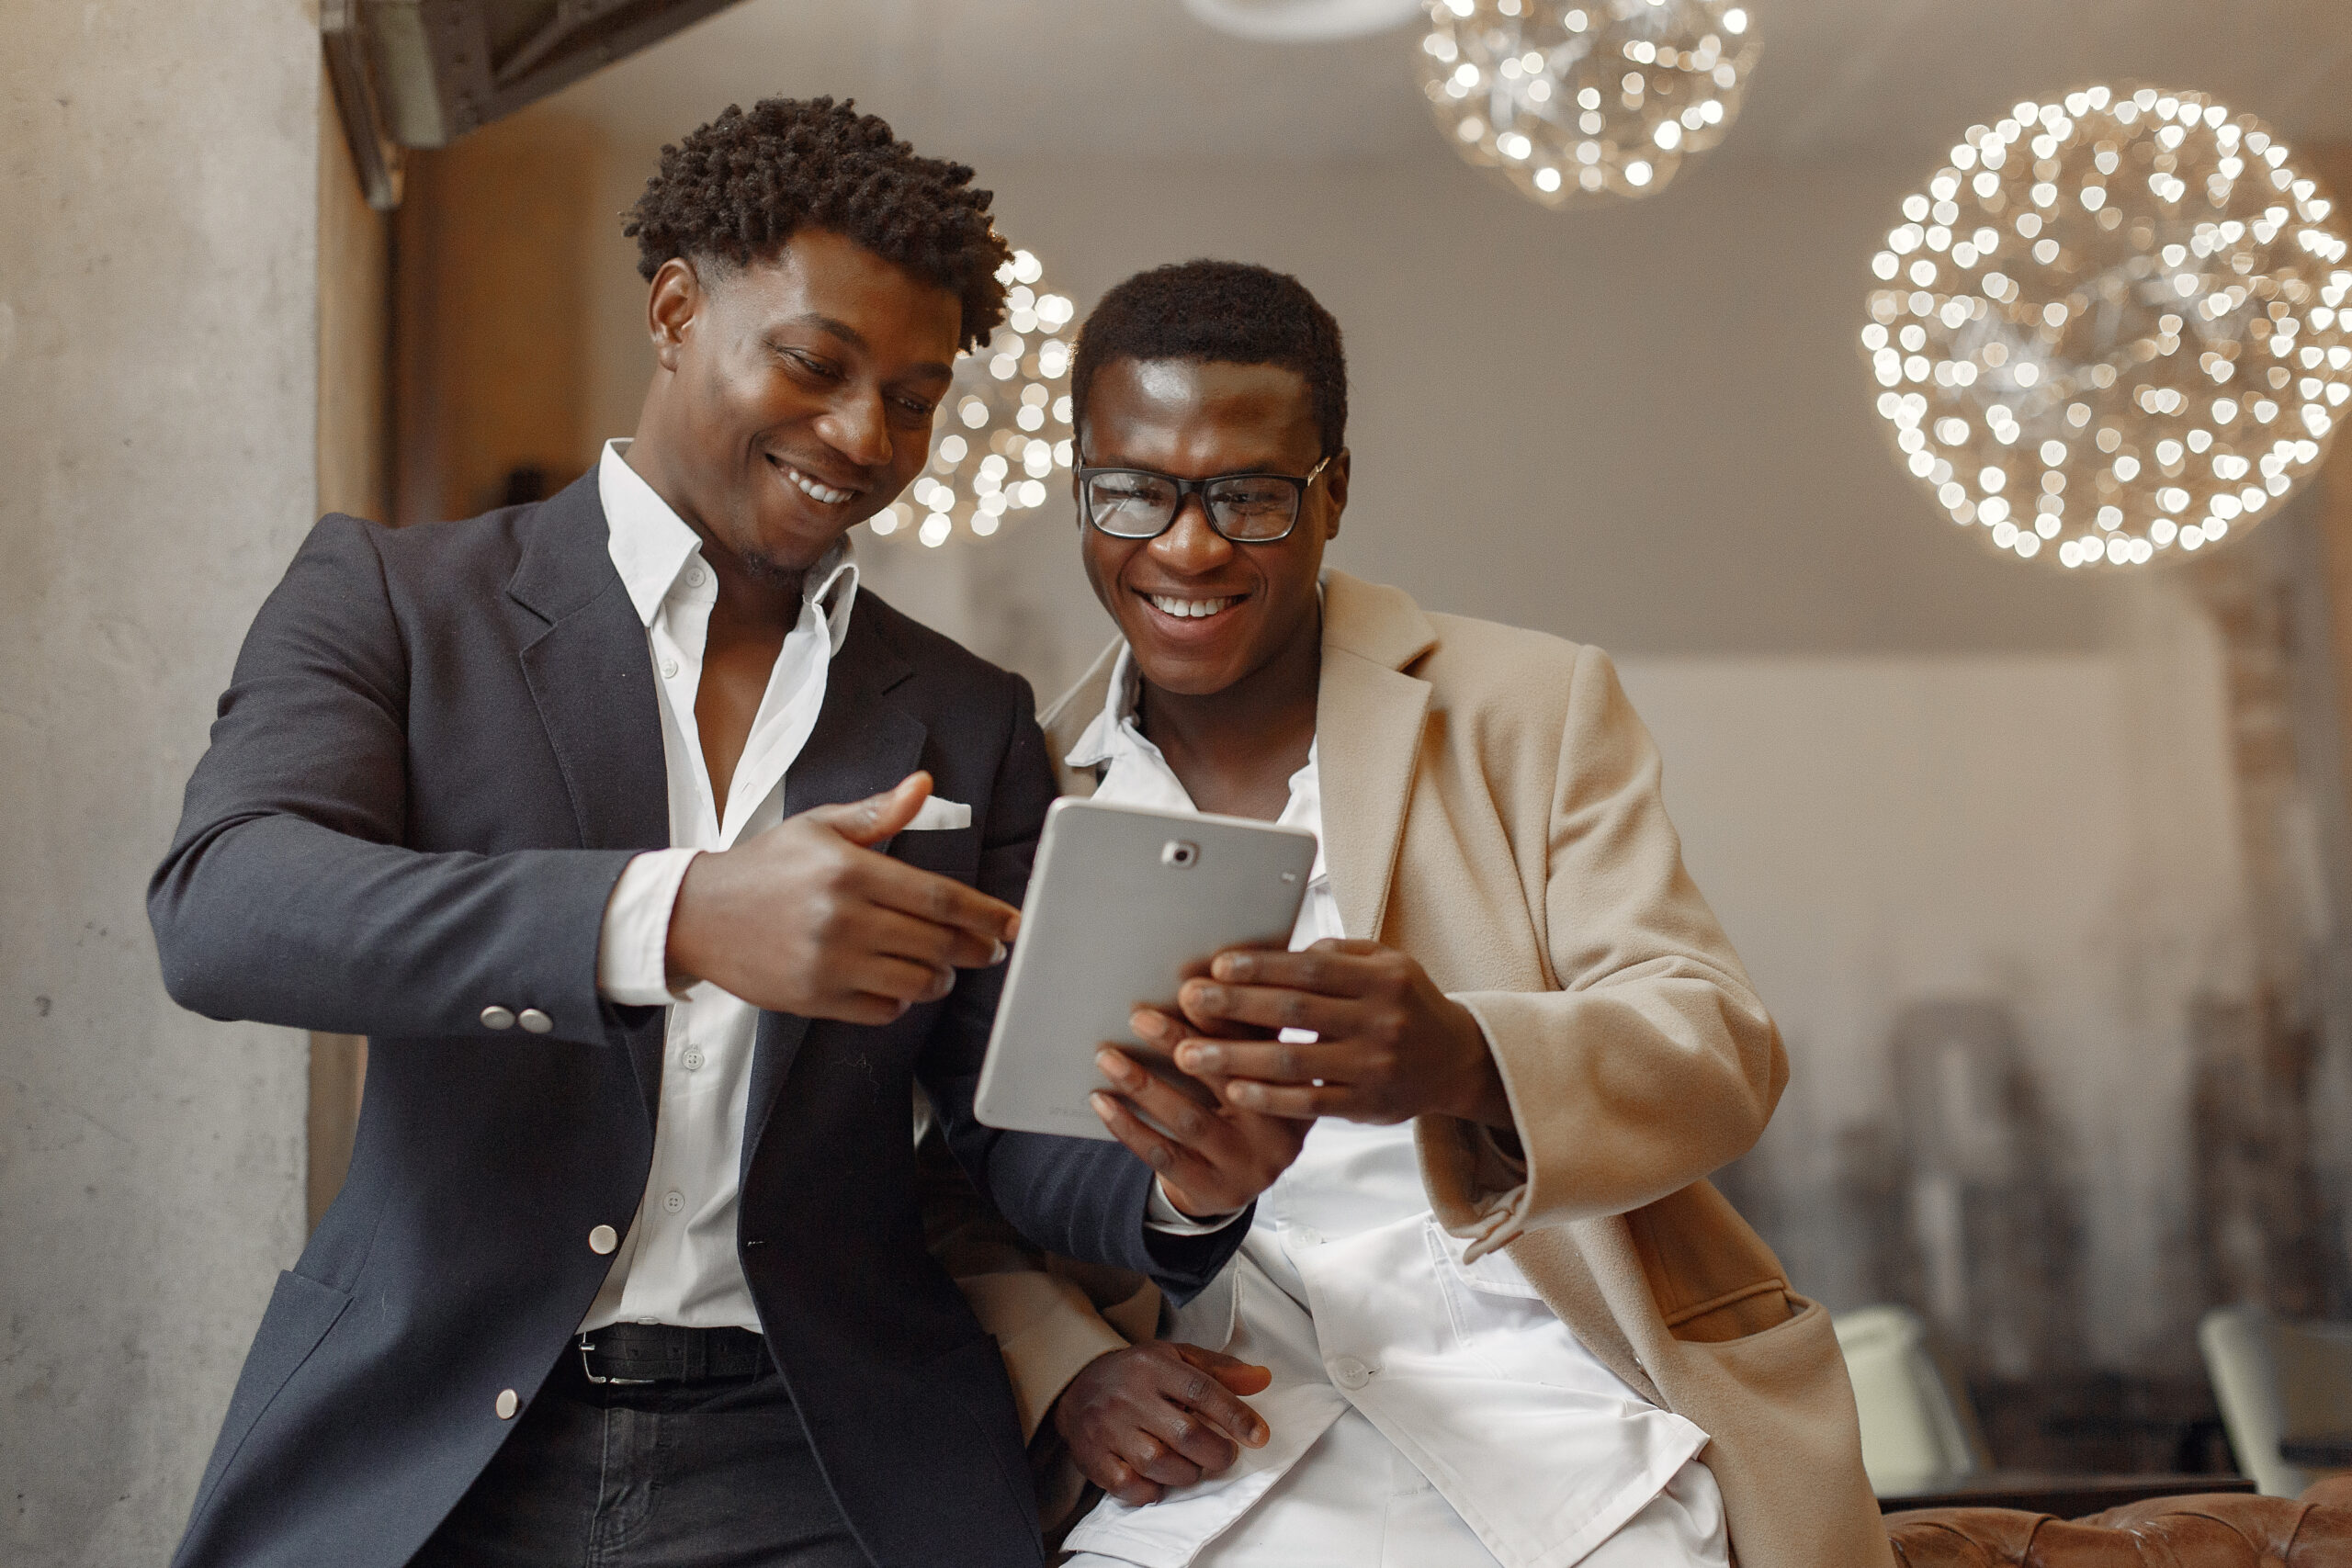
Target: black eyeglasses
[1249, 509]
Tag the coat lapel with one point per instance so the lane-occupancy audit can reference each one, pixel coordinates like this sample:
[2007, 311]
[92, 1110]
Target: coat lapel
[593, 681]
[1368, 722]
[863, 744]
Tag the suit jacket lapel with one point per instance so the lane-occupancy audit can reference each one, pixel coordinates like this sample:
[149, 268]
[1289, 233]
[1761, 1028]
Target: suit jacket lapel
[592, 680]
[863, 744]
[1368, 723]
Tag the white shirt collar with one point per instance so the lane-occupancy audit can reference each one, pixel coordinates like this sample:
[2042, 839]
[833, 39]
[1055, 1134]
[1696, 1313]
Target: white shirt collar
[651, 547]
[1101, 740]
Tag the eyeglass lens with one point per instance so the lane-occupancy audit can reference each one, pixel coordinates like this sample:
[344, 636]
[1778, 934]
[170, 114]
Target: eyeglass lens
[1141, 506]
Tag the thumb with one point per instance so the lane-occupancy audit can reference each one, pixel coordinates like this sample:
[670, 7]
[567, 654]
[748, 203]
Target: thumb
[1239, 1376]
[869, 821]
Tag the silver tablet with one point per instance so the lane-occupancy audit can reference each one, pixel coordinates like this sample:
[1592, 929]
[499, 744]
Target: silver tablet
[1124, 905]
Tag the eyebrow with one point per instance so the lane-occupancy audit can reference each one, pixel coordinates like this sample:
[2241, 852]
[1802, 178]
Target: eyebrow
[855, 339]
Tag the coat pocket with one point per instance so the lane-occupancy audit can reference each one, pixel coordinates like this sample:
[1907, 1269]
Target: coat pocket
[300, 1313]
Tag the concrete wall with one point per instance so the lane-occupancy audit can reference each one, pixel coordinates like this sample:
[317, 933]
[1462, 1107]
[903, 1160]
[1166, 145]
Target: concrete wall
[157, 405]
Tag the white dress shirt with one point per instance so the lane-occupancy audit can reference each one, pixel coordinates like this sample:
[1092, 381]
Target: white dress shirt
[678, 1264]
[1424, 1410]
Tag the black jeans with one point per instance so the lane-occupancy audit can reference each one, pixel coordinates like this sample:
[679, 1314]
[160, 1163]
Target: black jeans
[710, 1474]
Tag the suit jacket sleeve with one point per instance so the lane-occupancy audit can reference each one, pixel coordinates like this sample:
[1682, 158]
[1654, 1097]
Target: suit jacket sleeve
[1653, 1061]
[1081, 1198]
[287, 895]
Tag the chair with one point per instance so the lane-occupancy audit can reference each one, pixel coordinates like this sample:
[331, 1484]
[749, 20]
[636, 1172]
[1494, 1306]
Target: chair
[1918, 1427]
[2208, 1531]
[2275, 1381]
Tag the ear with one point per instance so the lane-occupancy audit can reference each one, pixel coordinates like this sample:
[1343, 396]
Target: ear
[672, 305]
[1335, 479]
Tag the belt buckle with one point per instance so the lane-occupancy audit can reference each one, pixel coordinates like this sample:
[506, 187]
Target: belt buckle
[588, 1370]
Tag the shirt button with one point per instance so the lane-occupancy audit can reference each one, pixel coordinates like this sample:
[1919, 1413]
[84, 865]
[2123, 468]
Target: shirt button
[497, 1018]
[694, 577]
[534, 1020]
[1308, 1235]
[674, 1203]
[1351, 1373]
[603, 1239]
[508, 1402]
[669, 670]
[692, 1058]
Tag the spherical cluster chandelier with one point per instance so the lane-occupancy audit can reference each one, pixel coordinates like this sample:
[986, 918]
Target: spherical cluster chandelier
[1005, 429]
[2112, 327]
[1574, 100]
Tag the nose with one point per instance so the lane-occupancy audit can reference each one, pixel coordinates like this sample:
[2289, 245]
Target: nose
[856, 426]
[1190, 545]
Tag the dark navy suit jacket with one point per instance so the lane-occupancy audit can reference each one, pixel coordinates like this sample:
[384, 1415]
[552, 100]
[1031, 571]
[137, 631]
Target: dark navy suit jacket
[440, 747]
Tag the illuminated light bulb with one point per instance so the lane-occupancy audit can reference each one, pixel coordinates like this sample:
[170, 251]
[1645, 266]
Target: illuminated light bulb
[1016, 383]
[1618, 92]
[2190, 320]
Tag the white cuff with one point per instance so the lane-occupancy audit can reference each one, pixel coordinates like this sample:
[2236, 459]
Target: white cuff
[1162, 1215]
[633, 952]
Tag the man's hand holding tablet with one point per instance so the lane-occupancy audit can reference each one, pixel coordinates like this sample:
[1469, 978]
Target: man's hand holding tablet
[1213, 1157]
[1389, 1045]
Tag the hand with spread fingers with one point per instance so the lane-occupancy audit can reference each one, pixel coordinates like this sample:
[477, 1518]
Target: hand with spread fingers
[1212, 1156]
[1389, 1045]
[1158, 1415]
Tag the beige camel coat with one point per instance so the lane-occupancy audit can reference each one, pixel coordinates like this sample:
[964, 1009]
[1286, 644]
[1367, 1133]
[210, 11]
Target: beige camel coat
[1491, 806]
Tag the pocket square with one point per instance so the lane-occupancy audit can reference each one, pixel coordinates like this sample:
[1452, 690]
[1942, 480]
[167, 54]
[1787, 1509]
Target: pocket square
[937, 814]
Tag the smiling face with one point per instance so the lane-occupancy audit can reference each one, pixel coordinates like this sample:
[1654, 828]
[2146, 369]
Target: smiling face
[794, 396]
[1201, 613]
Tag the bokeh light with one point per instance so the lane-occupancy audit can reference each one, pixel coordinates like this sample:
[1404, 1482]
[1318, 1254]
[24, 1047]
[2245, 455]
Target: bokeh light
[2113, 328]
[1004, 430]
[1583, 100]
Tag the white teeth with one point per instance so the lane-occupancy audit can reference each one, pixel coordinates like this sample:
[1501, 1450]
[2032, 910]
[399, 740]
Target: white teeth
[811, 488]
[1191, 609]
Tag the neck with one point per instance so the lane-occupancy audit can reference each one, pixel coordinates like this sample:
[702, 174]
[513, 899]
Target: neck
[755, 596]
[1235, 750]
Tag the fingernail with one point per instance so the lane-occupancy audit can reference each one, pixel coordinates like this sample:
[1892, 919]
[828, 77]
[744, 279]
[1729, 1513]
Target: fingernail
[1013, 927]
[1208, 996]
[1257, 1434]
[1230, 967]
[1115, 1067]
[1147, 1022]
[1245, 1094]
[1196, 1059]
[1102, 1103]
[996, 954]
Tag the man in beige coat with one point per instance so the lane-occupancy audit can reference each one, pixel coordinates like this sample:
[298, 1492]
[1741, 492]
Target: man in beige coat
[1515, 961]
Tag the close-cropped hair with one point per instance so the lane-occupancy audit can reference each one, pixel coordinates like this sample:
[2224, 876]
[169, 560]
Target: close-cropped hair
[1222, 312]
[734, 190]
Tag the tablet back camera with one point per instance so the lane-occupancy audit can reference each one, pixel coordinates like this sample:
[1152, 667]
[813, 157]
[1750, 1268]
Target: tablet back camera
[1179, 853]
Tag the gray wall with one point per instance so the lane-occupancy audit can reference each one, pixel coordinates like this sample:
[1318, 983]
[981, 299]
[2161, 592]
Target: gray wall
[157, 396]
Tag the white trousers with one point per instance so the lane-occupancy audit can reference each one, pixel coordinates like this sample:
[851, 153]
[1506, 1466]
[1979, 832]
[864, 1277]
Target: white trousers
[1353, 1501]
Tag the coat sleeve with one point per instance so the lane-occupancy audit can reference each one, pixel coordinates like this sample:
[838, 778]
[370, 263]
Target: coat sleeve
[1653, 1061]
[287, 895]
[1079, 1198]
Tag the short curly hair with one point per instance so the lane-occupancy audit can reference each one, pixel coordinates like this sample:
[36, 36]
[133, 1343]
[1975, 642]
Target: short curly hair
[736, 188]
[1222, 312]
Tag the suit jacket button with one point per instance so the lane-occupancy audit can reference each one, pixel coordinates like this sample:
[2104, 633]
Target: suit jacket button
[603, 1239]
[508, 1402]
[497, 1018]
[536, 1021]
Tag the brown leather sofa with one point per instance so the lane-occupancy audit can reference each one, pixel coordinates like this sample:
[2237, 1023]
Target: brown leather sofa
[2213, 1530]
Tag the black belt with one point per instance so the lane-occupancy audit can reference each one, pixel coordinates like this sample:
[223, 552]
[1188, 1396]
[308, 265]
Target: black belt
[657, 1352]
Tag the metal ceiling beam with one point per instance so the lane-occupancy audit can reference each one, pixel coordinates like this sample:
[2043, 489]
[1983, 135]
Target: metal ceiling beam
[414, 73]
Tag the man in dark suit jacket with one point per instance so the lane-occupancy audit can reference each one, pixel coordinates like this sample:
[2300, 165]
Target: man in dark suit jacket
[659, 866]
